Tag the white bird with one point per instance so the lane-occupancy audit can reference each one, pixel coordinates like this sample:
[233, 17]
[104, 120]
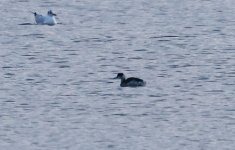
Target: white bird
[45, 20]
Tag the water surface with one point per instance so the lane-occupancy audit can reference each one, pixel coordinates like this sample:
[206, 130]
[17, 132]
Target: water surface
[56, 89]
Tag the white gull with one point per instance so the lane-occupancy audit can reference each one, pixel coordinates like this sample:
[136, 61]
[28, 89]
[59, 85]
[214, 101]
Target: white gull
[49, 19]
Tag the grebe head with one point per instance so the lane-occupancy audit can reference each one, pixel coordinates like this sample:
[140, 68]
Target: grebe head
[120, 76]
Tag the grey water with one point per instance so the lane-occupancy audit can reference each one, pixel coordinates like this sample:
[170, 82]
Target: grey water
[56, 86]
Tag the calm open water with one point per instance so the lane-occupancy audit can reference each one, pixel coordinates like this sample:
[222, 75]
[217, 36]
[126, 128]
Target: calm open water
[56, 86]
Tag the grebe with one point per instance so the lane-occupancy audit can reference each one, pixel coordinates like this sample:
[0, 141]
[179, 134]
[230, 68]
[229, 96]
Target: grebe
[130, 82]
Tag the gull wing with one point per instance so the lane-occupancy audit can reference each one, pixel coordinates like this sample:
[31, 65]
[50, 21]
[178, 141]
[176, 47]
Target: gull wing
[39, 19]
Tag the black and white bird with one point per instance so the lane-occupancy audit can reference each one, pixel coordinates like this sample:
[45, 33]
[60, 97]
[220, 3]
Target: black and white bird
[49, 19]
